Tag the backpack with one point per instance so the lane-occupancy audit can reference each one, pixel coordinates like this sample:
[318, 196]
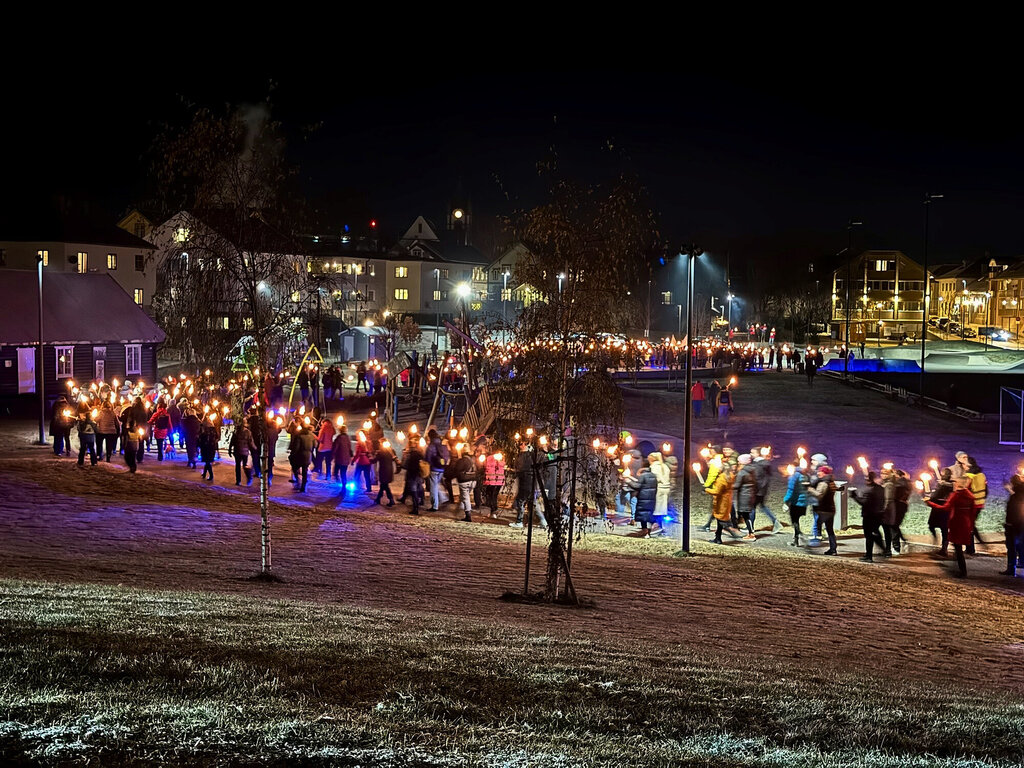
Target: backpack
[424, 469]
[163, 421]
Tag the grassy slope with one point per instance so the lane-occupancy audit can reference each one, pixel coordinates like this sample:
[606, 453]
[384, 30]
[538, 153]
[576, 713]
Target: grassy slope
[112, 676]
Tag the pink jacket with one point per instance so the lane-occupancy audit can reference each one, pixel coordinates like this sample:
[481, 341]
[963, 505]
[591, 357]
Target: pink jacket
[494, 471]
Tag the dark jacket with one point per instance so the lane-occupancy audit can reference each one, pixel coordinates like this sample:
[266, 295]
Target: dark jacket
[646, 496]
[190, 426]
[872, 503]
[385, 465]
[437, 455]
[744, 489]
[763, 472]
[465, 469]
[241, 442]
[207, 442]
[301, 448]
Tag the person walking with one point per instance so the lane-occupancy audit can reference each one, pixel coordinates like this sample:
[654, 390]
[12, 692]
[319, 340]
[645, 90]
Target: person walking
[726, 405]
[712, 397]
[208, 439]
[108, 427]
[413, 463]
[962, 513]
[190, 426]
[763, 473]
[823, 490]
[872, 505]
[161, 423]
[385, 458]
[300, 453]
[979, 489]
[361, 377]
[494, 479]
[721, 494]
[646, 498]
[363, 461]
[697, 397]
[1014, 525]
[525, 487]
[86, 437]
[324, 449]
[438, 457]
[341, 448]
[240, 446]
[661, 471]
[796, 500]
[131, 433]
[744, 493]
[465, 476]
[61, 421]
[938, 517]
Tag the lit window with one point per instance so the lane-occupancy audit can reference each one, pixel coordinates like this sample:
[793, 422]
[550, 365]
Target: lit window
[373, 271]
[223, 322]
[45, 256]
[138, 296]
[111, 261]
[181, 234]
[443, 274]
[666, 297]
[437, 296]
[83, 262]
[133, 358]
[247, 323]
[506, 294]
[881, 265]
[401, 271]
[65, 361]
[479, 275]
[295, 296]
[402, 294]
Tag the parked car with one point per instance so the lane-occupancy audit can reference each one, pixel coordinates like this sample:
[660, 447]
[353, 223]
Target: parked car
[942, 323]
[994, 333]
[954, 328]
[933, 322]
[970, 333]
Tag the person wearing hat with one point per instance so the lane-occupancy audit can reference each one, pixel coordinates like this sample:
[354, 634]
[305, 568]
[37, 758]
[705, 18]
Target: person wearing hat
[744, 490]
[960, 465]
[822, 491]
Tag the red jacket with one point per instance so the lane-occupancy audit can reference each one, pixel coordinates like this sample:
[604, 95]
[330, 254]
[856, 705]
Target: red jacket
[962, 513]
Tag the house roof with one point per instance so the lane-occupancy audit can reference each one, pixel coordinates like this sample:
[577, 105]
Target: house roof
[48, 224]
[77, 309]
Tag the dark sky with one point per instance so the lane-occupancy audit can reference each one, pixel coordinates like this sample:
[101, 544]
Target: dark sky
[768, 161]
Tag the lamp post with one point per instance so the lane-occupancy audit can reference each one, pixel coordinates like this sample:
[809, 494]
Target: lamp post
[927, 291]
[849, 264]
[504, 300]
[40, 378]
[679, 331]
[692, 252]
[437, 307]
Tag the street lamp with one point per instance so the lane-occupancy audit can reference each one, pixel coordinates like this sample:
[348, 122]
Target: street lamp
[40, 364]
[437, 307]
[647, 330]
[504, 295]
[692, 252]
[927, 289]
[849, 263]
[729, 299]
[561, 277]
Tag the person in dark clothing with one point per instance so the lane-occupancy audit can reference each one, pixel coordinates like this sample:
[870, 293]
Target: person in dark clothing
[823, 489]
[385, 458]
[938, 518]
[61, 421]
[300, 453]
[411, 463]
[240, 446]
[141, 417]
[646, 499]
[208, 439]
[872, 505]
[361, 377]
[131, 433]
[190, 427]
[465, 475]
[1014, 525]
[86, 438]
[525, 488]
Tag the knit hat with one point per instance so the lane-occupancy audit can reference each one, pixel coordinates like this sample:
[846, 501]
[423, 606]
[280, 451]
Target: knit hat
[825, 469]
[821, 458]
[745, 458]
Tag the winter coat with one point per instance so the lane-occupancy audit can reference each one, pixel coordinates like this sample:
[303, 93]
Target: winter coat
[721, 492]
[190, 426]
[208, 443]
[385, 466]
[107, 423]
[364, 456]
[342, 447]
[241, 442]
[325, 437]
[763, 472]
[796, 490]
[744, 489]
[161, 421]
[1015, 509]
[465, 469]
[897, 490]
[962, 514]
[697, 391]
[872, 504]
[86, 427]
[58, 421]
[823, 489]
[938, 517]
[663, 475]
[646, 496]
[437, 455]
[301, 448]
[494, 471]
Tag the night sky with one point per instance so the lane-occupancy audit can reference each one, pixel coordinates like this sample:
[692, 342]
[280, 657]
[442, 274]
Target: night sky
[760, 164]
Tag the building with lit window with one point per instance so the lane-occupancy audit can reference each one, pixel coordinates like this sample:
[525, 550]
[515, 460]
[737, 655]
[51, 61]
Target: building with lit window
[881, 295]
